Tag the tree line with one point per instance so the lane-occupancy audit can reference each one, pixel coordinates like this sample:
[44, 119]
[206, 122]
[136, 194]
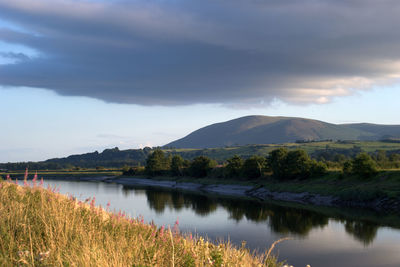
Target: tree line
[281, 163]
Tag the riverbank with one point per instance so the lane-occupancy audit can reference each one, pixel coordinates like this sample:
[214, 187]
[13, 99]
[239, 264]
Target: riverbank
[378, 193]
[42, 228]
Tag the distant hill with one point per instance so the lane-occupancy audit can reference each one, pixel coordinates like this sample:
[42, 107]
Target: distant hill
[378, 130]
[274, 130]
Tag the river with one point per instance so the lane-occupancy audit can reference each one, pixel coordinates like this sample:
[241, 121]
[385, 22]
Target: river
[320, 236]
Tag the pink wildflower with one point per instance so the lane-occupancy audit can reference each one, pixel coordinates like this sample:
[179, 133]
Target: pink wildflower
[92, 202]
[162, 230]
[8, 177]
[16, 181]
[176, 226]
[26, 173]
[34, 179]
[41, 182]
[108, 205]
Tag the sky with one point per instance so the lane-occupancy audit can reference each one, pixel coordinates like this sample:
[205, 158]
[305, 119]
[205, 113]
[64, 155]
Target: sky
[83, 75]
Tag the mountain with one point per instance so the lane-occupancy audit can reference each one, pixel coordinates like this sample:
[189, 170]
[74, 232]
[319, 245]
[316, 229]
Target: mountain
[378, 130]
[272, 130]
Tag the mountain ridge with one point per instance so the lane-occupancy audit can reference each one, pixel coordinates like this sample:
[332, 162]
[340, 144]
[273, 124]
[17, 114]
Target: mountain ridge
[257, 129]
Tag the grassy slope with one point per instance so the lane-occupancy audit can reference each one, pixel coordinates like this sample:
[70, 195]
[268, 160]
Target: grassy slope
[41, 228]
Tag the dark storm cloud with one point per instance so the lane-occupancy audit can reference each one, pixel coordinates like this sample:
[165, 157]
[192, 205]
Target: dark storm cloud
[204, 51]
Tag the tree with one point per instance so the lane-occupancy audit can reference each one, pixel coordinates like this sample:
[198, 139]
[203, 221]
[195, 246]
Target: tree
[253, 167]
[348, 167]
[201, 166]
[157, 163]
[277, 162]
[364, 165]
[294, 164]
[177, 165]
[298, 164]
[234, 166]
[381, 156]
[318, 168]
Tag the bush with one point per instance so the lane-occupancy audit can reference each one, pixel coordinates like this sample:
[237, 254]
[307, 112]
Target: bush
[348, 167]
[234, 166]
[298, 164]
[201, 166]
[177, 165]
[318, 168]
[364, 165]
[294, 164]
[157, 163]
[277, 162]
[253, 167]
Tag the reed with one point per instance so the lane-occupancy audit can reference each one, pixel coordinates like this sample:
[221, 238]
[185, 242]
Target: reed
[40, 227]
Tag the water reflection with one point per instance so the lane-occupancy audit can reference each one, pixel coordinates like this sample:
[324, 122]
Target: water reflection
[362, 231]
[280, 219]
[159, 200]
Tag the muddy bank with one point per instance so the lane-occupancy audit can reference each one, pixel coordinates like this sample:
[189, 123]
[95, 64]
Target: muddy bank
[262, 193]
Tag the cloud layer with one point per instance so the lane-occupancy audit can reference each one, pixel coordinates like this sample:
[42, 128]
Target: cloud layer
[158, 52]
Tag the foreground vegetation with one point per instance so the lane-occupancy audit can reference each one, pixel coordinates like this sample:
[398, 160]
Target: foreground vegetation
[39, 227]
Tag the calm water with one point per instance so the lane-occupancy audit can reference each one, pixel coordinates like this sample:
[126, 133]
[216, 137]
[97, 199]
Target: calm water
[319, 238]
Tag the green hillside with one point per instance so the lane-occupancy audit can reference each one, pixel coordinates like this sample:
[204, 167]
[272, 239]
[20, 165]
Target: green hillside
[275, 130]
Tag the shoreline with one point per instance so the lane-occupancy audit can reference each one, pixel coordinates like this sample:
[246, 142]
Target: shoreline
[261, 193]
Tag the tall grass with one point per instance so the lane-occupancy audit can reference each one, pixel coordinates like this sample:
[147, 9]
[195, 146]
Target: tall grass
[40, 227]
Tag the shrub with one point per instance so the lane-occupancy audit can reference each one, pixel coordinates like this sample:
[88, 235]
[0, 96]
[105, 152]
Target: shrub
[253, 167]
[298, 164]
[201, 166]
[177, 165]
[294, 164]
[157, 163]
[234, 166]
[348, 167]
[364, 165]
[318, 168]
[277, 162]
